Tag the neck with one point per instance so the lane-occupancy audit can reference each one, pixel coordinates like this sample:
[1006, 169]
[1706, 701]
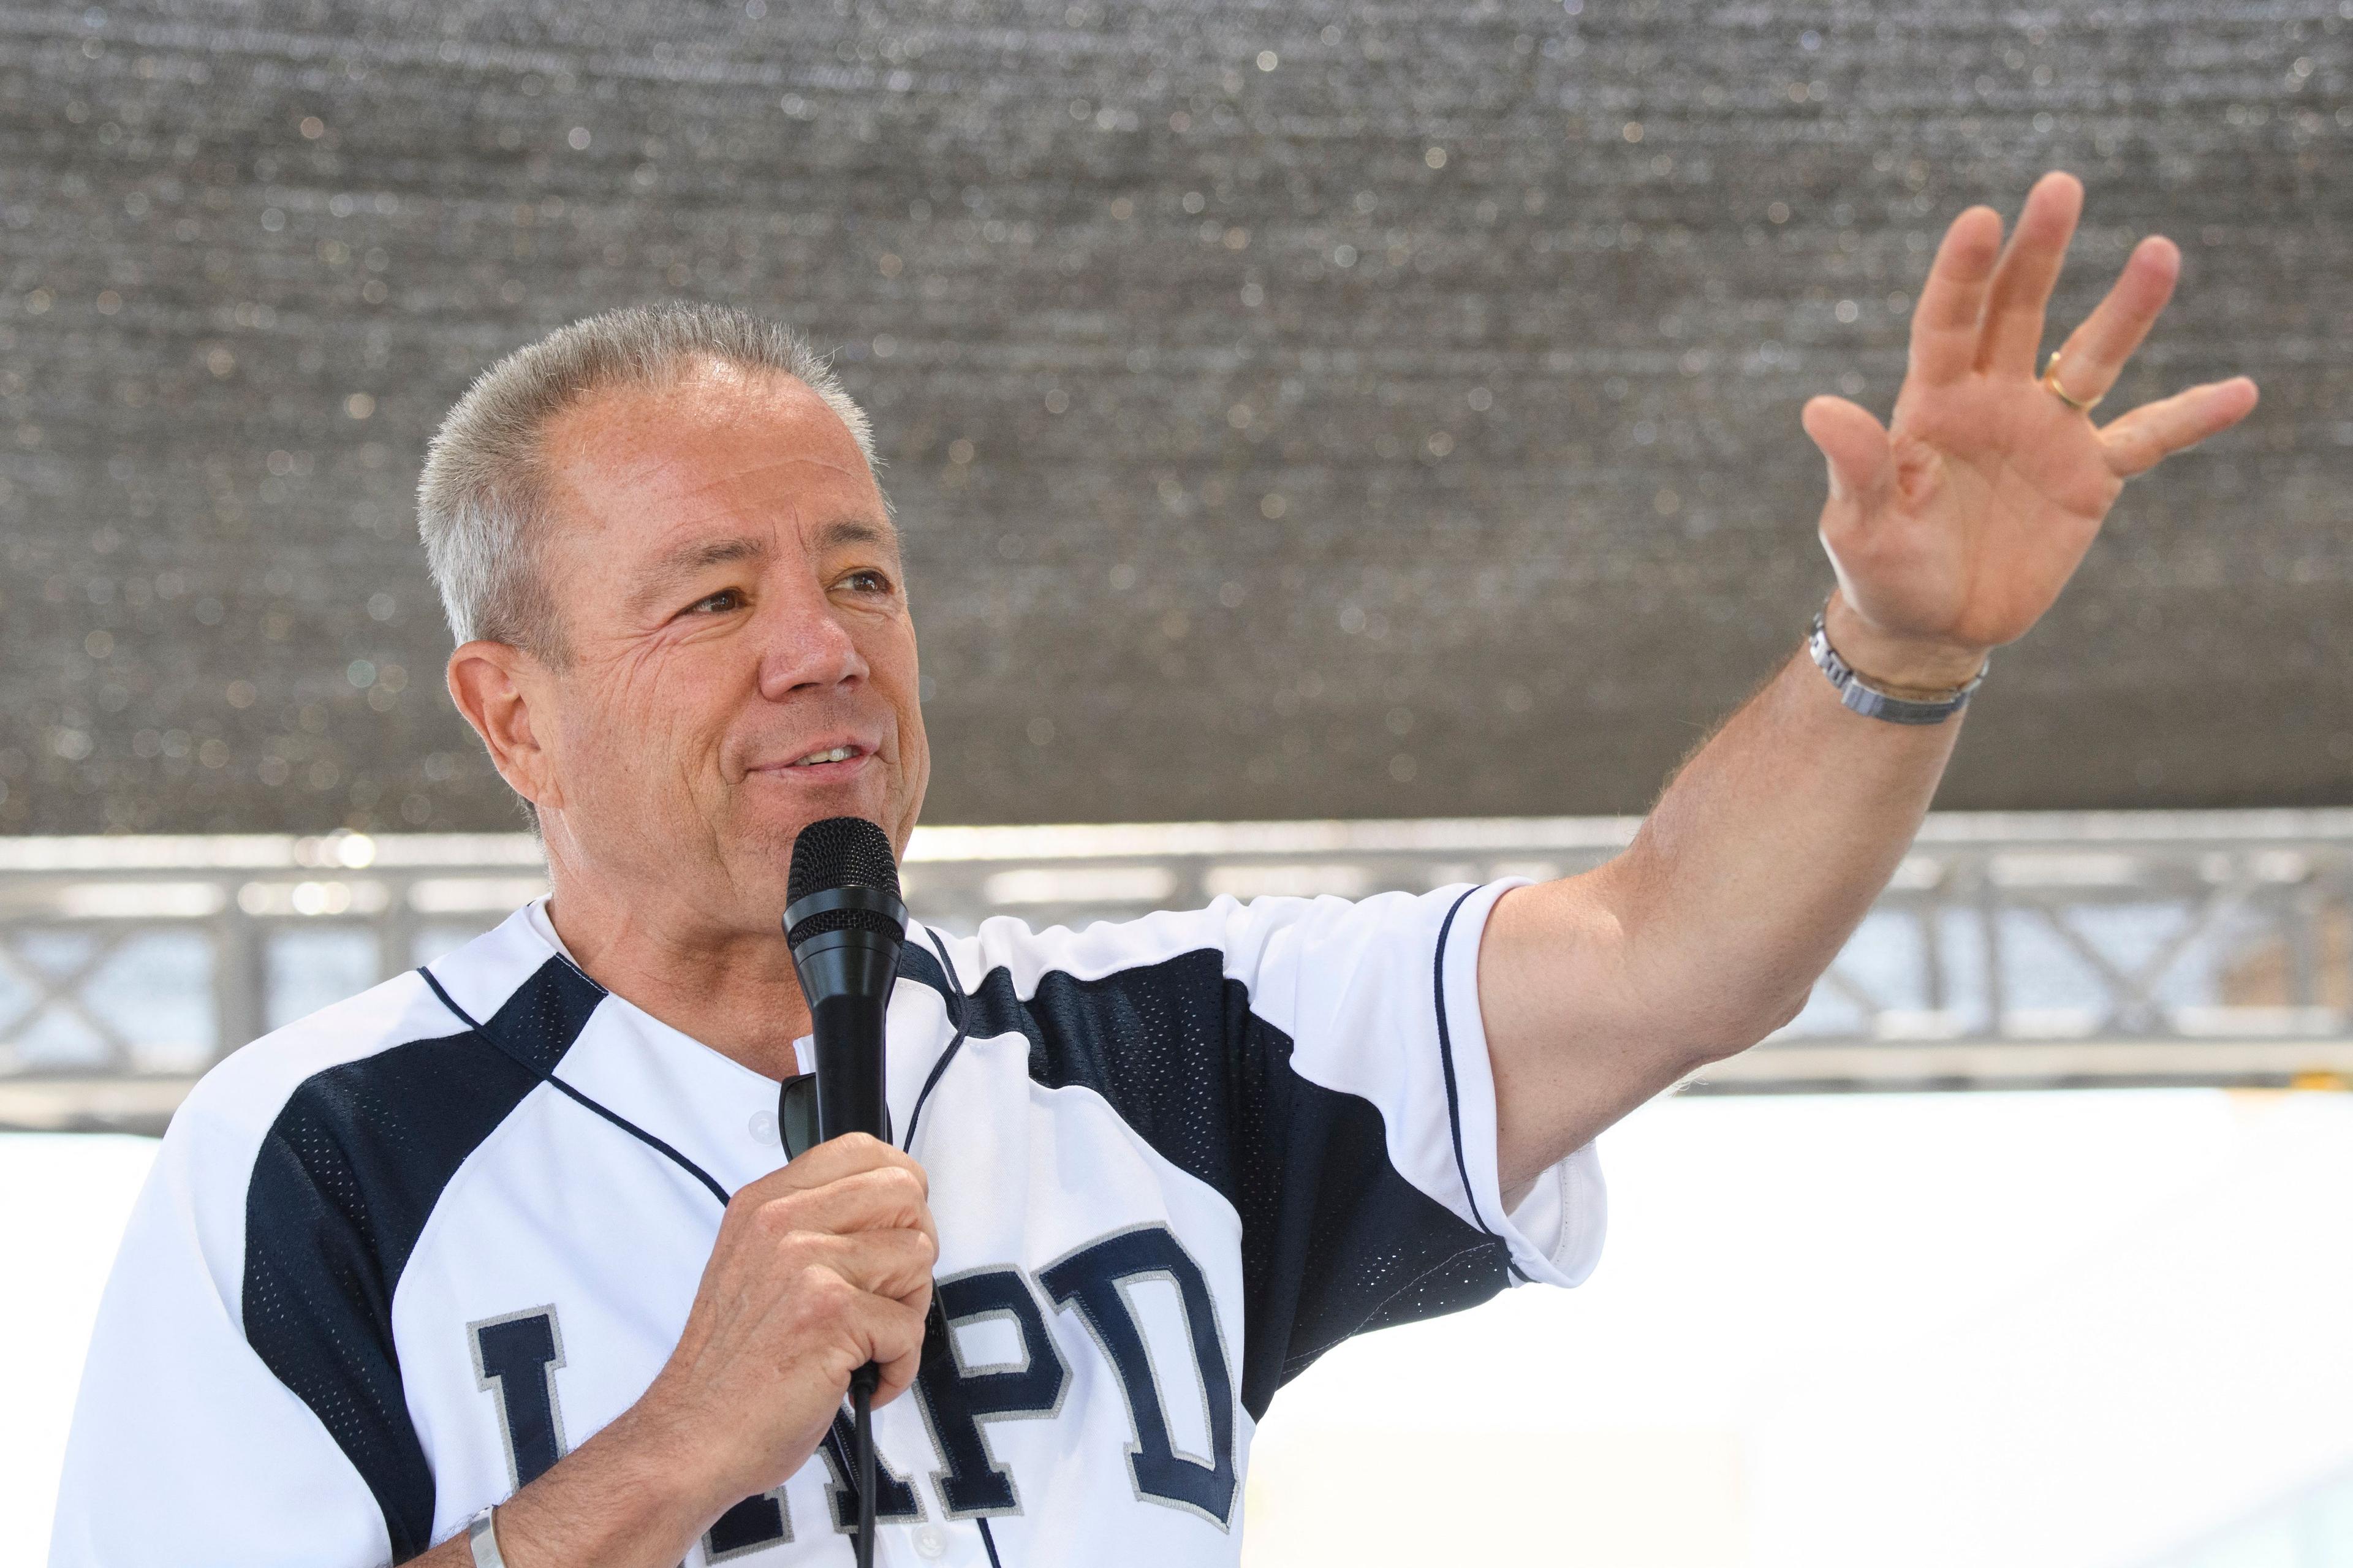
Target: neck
[731, 989]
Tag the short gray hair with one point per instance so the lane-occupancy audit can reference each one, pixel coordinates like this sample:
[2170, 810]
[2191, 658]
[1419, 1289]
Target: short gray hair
[484, 491]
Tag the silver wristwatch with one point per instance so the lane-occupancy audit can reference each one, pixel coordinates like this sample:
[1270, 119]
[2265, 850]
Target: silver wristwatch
[482, 1537]
[1873, 703]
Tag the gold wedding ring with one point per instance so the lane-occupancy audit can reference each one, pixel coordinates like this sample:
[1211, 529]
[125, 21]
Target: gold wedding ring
[2051, 380]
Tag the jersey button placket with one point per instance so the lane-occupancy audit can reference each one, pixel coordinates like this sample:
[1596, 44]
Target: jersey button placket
[931, 1543]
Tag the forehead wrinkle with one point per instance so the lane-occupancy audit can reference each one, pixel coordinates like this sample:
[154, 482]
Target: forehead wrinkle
[754, 470]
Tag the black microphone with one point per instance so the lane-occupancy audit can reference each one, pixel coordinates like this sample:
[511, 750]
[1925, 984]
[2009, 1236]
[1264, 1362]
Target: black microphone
[845, 925]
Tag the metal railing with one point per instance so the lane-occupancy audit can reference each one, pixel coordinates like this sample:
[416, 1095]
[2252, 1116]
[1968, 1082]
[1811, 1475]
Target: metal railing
[2009, 950]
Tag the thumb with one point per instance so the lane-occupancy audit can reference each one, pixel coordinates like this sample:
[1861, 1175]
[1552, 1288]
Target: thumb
[1853, 443]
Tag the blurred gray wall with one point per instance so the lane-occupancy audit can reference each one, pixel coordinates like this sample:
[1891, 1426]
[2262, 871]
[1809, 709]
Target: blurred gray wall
[1294, 410]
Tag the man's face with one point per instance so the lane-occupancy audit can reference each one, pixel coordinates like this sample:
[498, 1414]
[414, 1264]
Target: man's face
[740, 660]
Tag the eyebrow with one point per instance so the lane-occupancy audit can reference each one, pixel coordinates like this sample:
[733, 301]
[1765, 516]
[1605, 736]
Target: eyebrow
[854, 530]
[699, 555]
[695, 557]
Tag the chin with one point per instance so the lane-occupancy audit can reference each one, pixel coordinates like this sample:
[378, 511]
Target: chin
[770, 836]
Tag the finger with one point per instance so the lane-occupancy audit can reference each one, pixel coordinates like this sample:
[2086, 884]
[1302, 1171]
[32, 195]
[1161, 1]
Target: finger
[828, 1161]
[2140, 440]
[1945, 323]
[893, 1264]
[2024, 276]
[885, 1198]
[1855, 445]
[895, 1343]
[2095, 354]
[890, 1333]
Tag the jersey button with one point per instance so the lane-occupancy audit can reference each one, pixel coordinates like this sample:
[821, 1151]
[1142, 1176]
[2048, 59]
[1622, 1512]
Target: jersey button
[764, 1127]
[932, 1541]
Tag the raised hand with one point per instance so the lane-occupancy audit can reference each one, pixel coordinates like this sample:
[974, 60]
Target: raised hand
[1953, 529]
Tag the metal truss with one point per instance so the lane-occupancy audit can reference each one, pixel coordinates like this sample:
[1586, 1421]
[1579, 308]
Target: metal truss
[2014, 950]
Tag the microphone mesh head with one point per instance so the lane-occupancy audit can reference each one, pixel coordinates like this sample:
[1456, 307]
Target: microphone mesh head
[841, 852]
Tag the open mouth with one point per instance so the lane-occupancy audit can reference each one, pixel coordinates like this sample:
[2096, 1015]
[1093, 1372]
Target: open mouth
[836, 762]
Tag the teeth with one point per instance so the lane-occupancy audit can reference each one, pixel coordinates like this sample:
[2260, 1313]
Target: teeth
[838, 754]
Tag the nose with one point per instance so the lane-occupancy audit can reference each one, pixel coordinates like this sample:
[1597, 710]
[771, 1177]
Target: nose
[805, 645]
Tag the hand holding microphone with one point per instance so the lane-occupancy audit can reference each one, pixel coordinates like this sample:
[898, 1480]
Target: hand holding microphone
[821, 1268]
[821, 1279]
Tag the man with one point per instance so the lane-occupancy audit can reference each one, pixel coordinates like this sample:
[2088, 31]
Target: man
[495, 1262]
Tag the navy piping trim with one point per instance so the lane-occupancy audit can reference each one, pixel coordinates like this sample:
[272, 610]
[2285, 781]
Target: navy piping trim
[958, 1006]
[1446, 1060]
[1454, 1103]
[919, 966]
[624, 1123]
[957, 1011]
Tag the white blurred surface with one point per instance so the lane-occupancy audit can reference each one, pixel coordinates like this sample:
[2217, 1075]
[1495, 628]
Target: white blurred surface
[63, 1201]
[2027, 1329]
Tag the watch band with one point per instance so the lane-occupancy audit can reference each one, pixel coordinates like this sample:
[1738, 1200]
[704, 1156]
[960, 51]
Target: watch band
[482, 1538]
[1873, 703]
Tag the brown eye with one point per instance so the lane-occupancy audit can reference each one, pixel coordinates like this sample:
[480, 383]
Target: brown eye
[868, 581]
[725, 600]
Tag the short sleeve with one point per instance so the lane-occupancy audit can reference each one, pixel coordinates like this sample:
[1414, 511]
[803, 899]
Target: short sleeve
[184, 1447]
[1322, 1066]
[1372, 1123]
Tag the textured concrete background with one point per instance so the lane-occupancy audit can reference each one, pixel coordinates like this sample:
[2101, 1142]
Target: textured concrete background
[1300, 410]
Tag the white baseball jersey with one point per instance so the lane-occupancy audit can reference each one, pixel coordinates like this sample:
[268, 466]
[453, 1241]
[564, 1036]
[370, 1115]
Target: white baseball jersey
[390, 1265]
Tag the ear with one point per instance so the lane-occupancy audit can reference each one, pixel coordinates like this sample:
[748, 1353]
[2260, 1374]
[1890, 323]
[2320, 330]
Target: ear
[494, 685]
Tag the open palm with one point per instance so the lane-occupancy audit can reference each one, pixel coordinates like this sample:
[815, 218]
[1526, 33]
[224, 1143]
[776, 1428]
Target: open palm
[1957, 525]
